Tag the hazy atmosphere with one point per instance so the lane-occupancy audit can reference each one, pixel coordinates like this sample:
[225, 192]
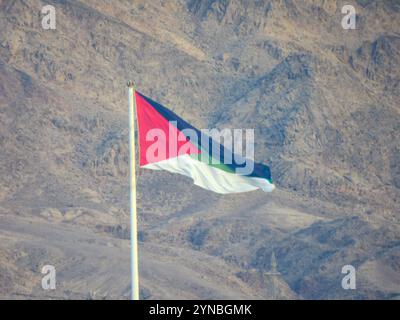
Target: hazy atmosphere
[324, 104]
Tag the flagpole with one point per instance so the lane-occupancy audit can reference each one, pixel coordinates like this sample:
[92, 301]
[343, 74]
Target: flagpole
[133, 210]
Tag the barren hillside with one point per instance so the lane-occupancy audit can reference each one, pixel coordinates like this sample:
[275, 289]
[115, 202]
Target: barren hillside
[324, 103]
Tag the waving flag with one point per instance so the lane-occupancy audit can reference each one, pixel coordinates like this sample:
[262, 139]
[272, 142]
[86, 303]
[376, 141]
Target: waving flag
[167, 142]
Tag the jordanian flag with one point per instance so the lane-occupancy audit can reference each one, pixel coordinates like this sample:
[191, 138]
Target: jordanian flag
[167, 142]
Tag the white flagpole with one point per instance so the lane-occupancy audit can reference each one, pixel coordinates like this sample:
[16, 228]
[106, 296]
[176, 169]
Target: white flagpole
[133, 211]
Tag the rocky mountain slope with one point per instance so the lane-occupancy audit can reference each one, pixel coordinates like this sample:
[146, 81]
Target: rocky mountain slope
[324, 103]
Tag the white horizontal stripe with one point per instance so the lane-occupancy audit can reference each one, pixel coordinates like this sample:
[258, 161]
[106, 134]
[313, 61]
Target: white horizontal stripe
[209, 177]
